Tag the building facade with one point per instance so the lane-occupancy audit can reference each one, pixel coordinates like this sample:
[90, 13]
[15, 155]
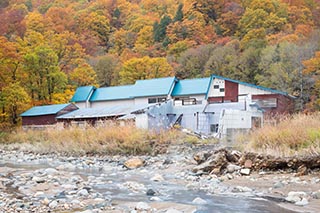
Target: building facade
[208, 106]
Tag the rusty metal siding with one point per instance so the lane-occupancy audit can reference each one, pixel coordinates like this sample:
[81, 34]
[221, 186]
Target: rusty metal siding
[39, 120]
[232, 91]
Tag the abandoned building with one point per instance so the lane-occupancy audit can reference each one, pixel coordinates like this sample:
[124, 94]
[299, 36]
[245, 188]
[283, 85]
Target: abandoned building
[210, 106]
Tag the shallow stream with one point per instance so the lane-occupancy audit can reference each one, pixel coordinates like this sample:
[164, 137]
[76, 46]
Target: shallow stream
[110, 184]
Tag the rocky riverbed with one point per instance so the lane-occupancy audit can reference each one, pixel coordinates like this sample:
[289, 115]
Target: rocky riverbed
[169, 183]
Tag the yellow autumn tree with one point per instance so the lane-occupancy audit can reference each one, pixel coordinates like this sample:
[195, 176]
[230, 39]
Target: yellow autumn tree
[144, 68]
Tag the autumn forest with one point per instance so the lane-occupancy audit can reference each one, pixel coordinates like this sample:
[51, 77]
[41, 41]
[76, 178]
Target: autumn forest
[50, 47]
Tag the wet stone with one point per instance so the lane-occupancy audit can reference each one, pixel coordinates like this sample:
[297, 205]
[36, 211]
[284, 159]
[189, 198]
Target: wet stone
[151, 192]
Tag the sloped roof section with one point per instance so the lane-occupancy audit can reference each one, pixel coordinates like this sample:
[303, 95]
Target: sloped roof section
[142, 88]
[82, 94]
[251, 85]
[191, 87]
[44, 110]
[101, 112]
[112, 93]
[153, 87]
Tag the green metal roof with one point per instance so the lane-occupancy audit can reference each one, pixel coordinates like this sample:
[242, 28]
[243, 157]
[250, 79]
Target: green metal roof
[82, 94]
[44, 110]
[192, 87]
[142, 88]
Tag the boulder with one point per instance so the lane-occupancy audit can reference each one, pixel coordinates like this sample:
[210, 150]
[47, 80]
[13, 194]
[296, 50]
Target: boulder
[134, 163]
[50, 171]
[245, 171]
[199, 201]
[295, 197]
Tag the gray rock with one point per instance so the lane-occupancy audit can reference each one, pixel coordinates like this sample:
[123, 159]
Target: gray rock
[151, 192]
[53, 204]
[83, 192]
[302, 202]
[229, 176]
[50, 171]
[316, 195]
[155, 199]
[75, 202]
[242, 189]
[232, 168]
[295, 197]
[199, 201]
[38, 179]
[278, 185]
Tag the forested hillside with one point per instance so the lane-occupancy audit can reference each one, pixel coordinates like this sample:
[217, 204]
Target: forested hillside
[50, 47]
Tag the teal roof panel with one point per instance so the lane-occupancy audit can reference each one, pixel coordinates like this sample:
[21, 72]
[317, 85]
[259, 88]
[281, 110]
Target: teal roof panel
[82, 94]
[44, 110]
[112, 93]
[153, 87]
[191, 87]
[142, 88]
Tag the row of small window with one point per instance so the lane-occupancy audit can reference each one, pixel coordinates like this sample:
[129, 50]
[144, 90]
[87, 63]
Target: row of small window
[156, 100]
[217, 87]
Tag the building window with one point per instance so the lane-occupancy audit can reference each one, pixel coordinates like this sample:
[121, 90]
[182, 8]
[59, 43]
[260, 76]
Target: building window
[221, 89]
[162, 100]
[152, 100]
[156, 100]
[215, 86]
[266, 103]
[214, 128]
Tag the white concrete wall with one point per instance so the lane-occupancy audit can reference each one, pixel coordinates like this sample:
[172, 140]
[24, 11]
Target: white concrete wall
[142, 121]
[99, 104]
[141, 101]
[237, 119]
[81, 105]
[216, 92]
[243, 89]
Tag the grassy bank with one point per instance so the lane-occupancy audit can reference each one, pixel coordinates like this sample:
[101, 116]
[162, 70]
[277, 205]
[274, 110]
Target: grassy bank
[94, 140]
[293, 135]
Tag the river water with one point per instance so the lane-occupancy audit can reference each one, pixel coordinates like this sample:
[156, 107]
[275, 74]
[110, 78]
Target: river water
[111, 185]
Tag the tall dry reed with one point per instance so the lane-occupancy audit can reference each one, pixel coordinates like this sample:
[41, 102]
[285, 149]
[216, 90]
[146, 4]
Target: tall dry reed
[113, 139]
[292, 135]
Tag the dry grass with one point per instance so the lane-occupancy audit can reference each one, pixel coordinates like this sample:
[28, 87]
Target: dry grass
[294, 135]
[113, 139]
